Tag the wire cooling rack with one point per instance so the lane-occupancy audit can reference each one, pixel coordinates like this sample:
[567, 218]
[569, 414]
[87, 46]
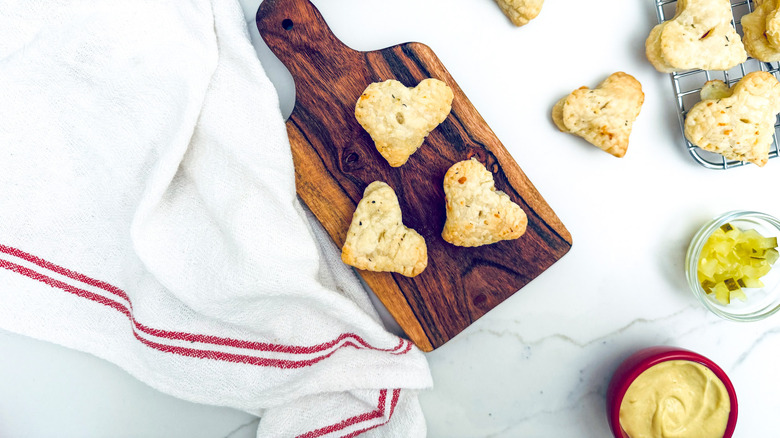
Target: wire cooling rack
[688, 84]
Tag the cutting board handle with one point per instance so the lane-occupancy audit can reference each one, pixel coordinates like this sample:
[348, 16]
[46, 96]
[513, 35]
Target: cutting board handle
[290, 27]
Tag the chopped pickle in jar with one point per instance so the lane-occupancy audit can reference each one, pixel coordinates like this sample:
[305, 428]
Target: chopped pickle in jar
[733, 259]
[771, 255]
[722, 293]
[738, 294]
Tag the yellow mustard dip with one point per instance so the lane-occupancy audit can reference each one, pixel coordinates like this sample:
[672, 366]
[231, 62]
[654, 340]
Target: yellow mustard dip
[675, 399]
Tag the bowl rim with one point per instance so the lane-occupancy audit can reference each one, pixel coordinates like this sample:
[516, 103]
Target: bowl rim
[639, 362]
[694, 252]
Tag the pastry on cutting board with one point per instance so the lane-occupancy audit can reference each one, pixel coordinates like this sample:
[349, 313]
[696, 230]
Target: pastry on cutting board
[477, 213]
[377, 239]
[398, 118]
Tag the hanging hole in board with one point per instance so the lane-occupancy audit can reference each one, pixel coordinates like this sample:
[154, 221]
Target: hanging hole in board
[287, 24]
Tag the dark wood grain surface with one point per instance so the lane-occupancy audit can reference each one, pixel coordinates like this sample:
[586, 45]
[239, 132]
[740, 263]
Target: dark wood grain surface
[335, 159]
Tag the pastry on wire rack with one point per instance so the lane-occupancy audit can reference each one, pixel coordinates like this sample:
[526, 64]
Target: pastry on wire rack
[762, 31]
[736, 122]
[699, 36]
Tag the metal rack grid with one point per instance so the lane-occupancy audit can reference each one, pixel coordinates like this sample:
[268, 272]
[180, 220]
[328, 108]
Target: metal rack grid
[688, 84]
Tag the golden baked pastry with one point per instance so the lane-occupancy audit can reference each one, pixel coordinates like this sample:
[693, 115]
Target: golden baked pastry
[377, 239]
[477, 213]
[399, 118]
[605, 115]
[700, 35]
[736, 122]
[520, 12]
[762, 31]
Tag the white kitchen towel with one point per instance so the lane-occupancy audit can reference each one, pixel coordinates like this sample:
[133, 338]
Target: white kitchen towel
[148, 216]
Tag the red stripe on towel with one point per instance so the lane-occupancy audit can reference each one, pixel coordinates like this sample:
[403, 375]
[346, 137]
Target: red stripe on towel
[63, 271]
[379, 412]
[402, 348]
[351, 339]
[396, 393]
[182, 351]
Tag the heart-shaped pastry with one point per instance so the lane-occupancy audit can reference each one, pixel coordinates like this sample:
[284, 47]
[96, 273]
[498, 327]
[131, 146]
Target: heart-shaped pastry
[399, 118]
[603, 116]
[736, 122]
[700, 35]
[477, 213]
[520, 11]
[377, 239]
[762, 31]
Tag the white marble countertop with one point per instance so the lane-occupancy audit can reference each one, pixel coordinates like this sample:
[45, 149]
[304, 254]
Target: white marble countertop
[539, 364]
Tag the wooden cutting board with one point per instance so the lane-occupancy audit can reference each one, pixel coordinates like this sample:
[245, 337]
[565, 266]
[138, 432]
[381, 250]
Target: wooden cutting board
[335, 159]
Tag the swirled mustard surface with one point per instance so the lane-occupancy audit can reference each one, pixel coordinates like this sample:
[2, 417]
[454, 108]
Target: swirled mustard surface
[676, 399]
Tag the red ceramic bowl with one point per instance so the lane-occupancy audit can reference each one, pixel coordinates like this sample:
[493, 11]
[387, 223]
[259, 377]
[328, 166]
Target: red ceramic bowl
[640, 361]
